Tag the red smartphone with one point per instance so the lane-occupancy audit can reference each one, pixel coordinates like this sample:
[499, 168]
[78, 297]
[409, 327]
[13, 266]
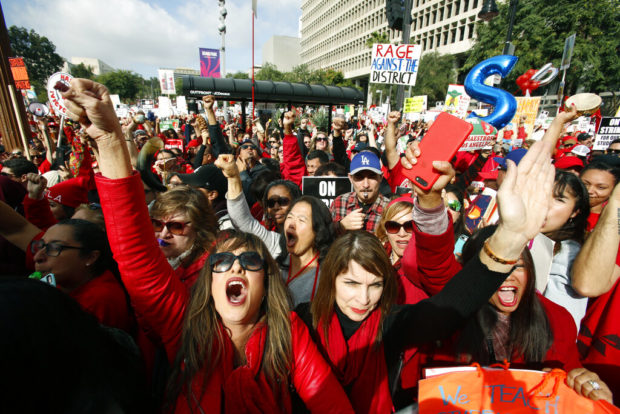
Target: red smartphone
[440, 143]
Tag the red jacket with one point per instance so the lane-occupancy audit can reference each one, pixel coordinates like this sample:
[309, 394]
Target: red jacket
[562, 354]
[292, 166]
[161, 299]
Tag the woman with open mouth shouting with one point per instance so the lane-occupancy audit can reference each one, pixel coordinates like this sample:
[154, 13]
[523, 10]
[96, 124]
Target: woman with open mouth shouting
[301, 243]
[363, 333]
[233, 343]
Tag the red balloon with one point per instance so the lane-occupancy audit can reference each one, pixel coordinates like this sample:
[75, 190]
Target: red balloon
[534, 85]
[530, 73]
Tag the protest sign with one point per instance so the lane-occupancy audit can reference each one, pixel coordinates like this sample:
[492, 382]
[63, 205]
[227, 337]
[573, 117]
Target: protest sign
[481, 136]
[20, 74]
[609, 130]
[181, 105]
[326, 188]
[166, 81]
[415, 104]
[395, 64]
[168, 124]
[56, 102]
[498, 391]
[457, 101]
[174, 143]
[527, 107]
[165, 107]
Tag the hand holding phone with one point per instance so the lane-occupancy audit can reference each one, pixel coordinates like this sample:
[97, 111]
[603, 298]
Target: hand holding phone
[440, 143]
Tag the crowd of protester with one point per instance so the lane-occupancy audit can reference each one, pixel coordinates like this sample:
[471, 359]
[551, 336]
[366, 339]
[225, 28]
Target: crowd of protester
[190, 273]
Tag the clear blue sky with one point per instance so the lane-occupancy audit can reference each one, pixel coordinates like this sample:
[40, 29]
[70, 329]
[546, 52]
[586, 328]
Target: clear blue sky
[143, 35]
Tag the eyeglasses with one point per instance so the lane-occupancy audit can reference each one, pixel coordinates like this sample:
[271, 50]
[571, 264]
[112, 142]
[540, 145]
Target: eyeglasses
[222, 262]
[52, 249]
[321, 139]
[394, 227]
[281, 201]
[37, 156]
[454, 205]
[613, 151]
[175, 227]
[247, 146]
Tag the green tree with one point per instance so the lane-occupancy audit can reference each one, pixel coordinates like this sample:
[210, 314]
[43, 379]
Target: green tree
[376, 37]
[39, 54]
[269, 71]
[82, 71]
[540, 28]
[238, 75]
[435, 73]
[125, 83]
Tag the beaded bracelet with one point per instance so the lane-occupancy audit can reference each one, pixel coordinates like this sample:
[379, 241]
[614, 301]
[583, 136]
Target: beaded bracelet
[495, 257]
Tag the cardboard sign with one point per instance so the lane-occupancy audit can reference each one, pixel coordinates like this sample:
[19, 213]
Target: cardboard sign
[326, 188]
[395, 64]
[609, 130]
[56, 102]
[20, 73]
[527, 106]
[415, 104]
[457, 101]
[500, 391]
[166, 81]
[482, 135]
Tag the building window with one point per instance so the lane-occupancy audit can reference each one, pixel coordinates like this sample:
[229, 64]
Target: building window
[471, 30]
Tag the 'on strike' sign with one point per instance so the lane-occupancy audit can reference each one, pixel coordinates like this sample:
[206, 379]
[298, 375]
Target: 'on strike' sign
[326, 188]
[395, 64]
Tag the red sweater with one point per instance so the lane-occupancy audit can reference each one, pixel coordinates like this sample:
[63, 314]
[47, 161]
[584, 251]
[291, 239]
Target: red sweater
[161, 299]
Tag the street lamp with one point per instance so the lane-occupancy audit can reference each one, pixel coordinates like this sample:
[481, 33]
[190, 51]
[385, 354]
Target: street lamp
[222, 29]
[488, 11]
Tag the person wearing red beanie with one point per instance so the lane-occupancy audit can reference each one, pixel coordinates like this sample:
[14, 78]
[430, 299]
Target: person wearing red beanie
[65, 196]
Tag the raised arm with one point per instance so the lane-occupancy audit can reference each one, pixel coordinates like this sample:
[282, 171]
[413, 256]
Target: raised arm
[155, 291]
[595, 270]
[391, 152]
[15, 228]
[215, 132]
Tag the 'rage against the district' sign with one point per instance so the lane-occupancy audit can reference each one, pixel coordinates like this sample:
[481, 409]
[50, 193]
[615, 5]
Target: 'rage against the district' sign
[395, 64]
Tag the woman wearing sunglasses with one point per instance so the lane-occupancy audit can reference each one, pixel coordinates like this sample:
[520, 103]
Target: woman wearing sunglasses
[303, 237]
[185, 226]
[233, 343]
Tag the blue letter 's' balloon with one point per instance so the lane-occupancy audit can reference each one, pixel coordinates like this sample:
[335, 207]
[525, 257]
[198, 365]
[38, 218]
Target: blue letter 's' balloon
[505, 104]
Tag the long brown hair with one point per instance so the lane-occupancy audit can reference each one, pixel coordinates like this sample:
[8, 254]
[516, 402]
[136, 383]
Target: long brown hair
[366, 250]
[196, 207]
[202, 341]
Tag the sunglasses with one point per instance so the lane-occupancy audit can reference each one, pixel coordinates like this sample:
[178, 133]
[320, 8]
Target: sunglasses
[454, 205]
[175, 227]
[222, 262]
[247, 146]
[52, 249]
[281, 201]
[321, 139]
[394, 227]
[613, 151]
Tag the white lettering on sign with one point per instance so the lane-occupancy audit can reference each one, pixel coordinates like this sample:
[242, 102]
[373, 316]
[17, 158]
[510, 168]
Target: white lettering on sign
[327, 189]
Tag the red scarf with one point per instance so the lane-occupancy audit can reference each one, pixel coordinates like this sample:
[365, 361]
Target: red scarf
[246, 390]
[359, 365]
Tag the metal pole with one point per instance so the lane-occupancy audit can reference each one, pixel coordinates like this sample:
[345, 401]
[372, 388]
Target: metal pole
[223, 73]
[400, 92]
[507, 44]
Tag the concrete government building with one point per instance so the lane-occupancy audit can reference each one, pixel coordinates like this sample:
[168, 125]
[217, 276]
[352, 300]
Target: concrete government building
[334, 32]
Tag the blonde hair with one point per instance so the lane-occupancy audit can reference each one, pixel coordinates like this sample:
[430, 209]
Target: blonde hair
[388, 214]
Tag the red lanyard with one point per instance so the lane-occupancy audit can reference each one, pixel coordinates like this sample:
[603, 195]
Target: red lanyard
[289, 279]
